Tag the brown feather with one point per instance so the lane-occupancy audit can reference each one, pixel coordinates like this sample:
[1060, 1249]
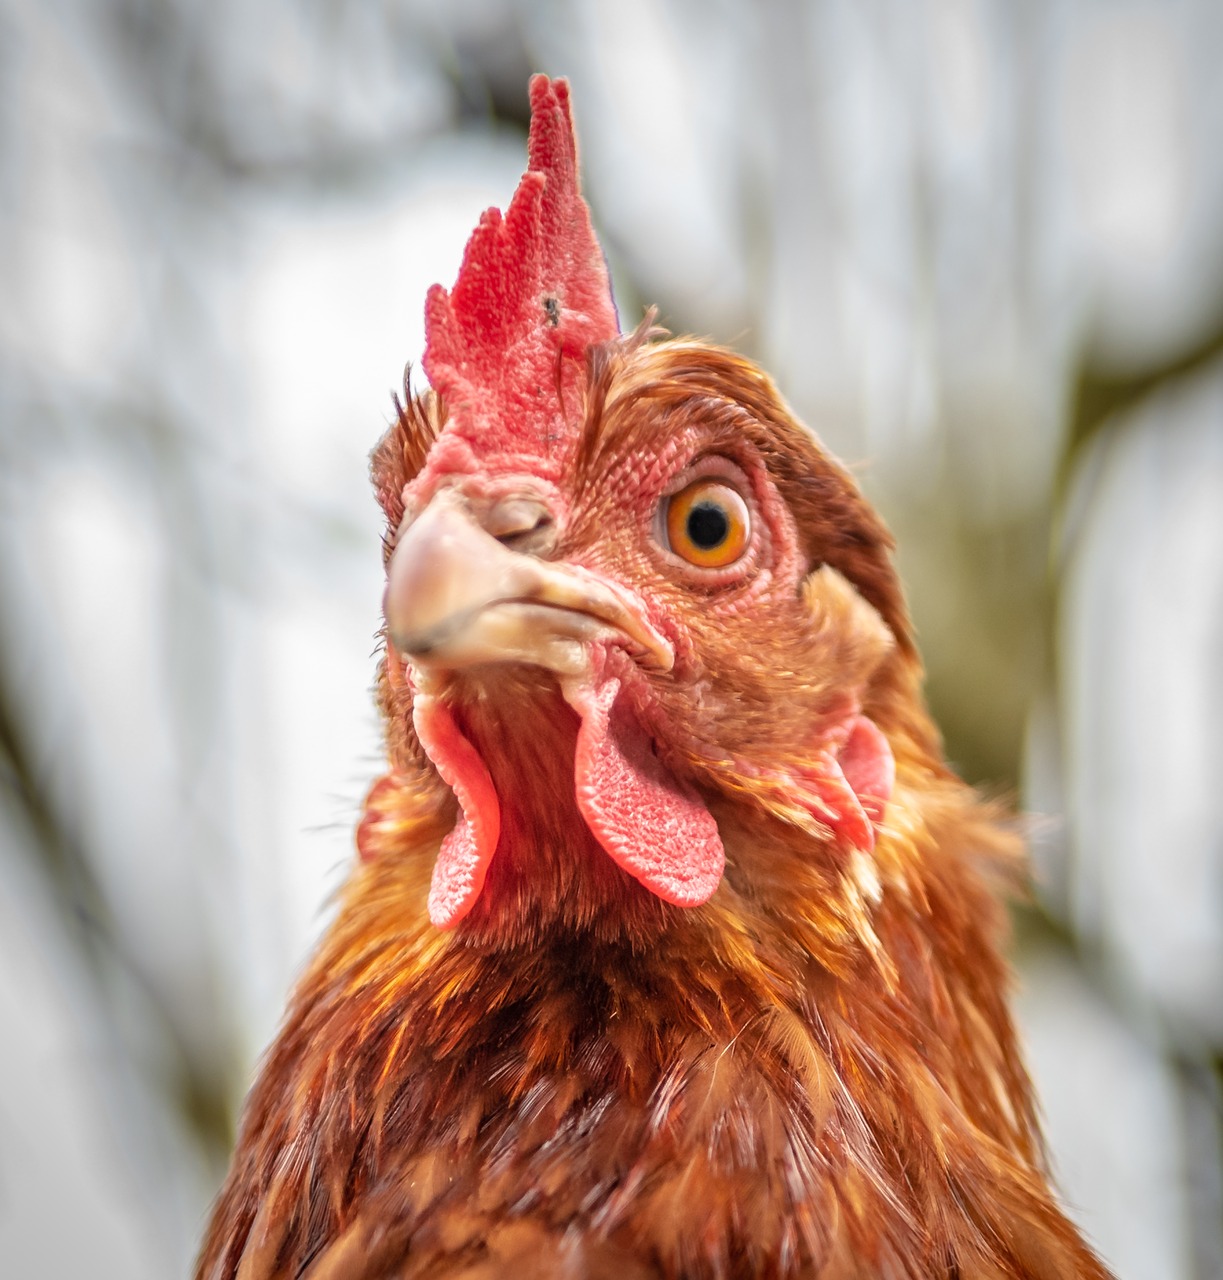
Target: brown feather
[812, 1075]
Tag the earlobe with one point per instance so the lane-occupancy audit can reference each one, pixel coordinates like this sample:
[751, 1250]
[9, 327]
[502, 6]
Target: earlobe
[840, 792]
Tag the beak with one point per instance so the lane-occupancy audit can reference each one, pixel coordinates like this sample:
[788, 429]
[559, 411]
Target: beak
[456, 597]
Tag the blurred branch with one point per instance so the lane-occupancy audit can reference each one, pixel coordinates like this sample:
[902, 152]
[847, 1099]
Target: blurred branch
[175, 63]
[59, 861]
[1102, 392]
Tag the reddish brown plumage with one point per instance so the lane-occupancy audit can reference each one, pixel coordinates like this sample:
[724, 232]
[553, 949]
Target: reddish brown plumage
[793, 1080]
[813, 1072]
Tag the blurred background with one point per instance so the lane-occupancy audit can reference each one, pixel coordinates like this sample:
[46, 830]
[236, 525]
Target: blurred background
[980, 245]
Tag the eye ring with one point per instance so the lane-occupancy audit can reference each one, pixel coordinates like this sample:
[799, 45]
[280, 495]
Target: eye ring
[708, 523]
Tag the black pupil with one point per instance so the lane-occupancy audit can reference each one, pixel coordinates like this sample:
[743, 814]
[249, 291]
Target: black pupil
[708, 525]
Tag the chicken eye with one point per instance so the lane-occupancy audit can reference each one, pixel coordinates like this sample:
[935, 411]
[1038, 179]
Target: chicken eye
[708, 524]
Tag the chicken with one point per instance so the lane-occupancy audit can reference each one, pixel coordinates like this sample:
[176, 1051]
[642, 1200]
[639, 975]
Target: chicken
[673, 945]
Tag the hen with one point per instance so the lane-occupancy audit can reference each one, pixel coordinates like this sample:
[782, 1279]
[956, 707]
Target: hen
[672, 950]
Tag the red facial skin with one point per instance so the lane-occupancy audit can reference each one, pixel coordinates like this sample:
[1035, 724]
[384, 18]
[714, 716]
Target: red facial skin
[653, 734]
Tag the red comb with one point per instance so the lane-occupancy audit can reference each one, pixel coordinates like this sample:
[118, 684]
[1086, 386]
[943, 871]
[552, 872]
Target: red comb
[505, 348]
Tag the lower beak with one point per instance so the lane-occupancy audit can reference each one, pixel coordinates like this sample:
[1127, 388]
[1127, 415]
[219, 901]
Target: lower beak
[457, 597]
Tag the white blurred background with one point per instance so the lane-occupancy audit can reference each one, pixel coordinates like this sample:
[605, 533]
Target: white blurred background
[979, 243]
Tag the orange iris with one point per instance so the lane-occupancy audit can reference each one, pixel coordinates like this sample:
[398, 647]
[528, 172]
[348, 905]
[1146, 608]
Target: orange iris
[708, 524]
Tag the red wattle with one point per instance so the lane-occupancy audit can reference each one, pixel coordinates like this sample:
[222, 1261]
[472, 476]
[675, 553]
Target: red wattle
[661, 834]
[462, 861]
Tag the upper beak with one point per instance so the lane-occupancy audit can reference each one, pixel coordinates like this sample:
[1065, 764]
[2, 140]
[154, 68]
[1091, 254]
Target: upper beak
[457, 596]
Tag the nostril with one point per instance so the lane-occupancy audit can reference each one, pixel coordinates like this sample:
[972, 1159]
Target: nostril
[535, 541]
[542, 523]
[522, 524]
